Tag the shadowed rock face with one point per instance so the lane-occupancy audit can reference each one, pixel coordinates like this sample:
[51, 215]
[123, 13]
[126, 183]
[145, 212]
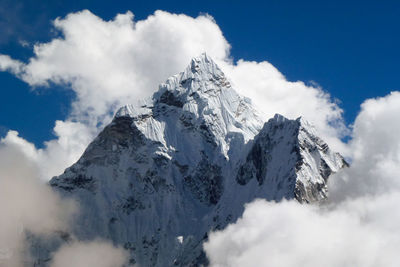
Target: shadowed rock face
[184, 163]
[169, 98]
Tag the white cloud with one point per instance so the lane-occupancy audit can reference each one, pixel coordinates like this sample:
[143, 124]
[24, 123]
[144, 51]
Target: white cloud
[289, 234]
[111, 63]
[359, 227]
[9, 64]
[375, 150]
[57, 154]
[94, 253]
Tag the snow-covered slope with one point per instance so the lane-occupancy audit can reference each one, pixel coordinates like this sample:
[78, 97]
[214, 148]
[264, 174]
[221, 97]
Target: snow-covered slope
[166, 172]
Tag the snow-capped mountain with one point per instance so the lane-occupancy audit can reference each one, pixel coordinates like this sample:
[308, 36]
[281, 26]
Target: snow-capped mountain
[166, 172]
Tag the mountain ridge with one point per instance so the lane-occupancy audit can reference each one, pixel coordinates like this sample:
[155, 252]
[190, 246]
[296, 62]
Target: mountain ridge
[164, 174]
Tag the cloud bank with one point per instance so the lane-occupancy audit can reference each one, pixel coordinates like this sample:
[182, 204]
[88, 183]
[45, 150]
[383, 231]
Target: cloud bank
[358, 227]
[108, 64]
[288, 234]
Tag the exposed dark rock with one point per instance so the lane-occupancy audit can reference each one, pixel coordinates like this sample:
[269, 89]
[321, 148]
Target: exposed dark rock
[205, 182]
[75, 182]
[132, 204]
[170, 99]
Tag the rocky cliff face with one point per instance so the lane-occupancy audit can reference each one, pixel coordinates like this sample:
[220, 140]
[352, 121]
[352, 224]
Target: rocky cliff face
[166, 172]
[291, 160]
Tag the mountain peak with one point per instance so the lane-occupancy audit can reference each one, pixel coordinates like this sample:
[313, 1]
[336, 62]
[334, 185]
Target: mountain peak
[202, 74]
[279, 118]
[201, 98]
[203, 63]
[201, 79]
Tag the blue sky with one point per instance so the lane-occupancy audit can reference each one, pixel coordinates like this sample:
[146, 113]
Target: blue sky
[350, 49]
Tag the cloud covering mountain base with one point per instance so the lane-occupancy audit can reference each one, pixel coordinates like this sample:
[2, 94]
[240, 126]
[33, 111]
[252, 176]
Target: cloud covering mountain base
[289, 234]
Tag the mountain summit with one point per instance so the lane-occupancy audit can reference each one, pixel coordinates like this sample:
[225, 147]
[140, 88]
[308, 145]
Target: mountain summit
[201, 98]
[164, 173]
